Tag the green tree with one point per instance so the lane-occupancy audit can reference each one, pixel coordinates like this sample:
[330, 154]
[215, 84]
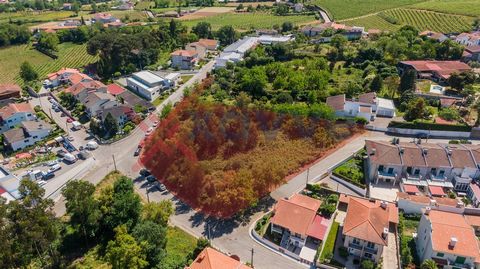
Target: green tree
[82, 207]
[124, 252]
[407, 81]
[203, 30]
[377, 84]
[27, 73]
[416, 109]
[166, 110]
[202, 243]
[34, 224]
[153, 240]
[95, 127]
[124, 207]
[367, 264]
[110, 125]
[240, 7]
[458, 81]
[5, 237]
[226, 35]
[287, 26]
[282, 10]
[254, 81]
[428, 264]
[158, 212]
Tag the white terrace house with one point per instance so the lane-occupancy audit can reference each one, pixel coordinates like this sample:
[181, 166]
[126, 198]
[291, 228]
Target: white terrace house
[423, 165]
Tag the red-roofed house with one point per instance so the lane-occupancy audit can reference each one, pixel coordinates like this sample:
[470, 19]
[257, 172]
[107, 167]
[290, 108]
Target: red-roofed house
[114, 89]
[14, 114]
[67, 75]
[82, 89]
[184, 59]
[436, 70]
[210, 258]
[9, 91]
[297, 216]
[367, 225]
[471, 53]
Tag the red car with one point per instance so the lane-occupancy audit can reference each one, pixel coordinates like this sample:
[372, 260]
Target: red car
[69, 120]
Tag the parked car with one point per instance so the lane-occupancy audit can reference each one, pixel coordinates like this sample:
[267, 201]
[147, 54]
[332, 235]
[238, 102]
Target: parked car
[151, 178]
[91, 145]
[83, 155]
[71, 138]
[54, 168]
[61, 153]
[57, 109]
[144, 172]
[159, 186]
[149, 131]
[155, 124]
[137, 151]
[69, 158]
[69, 120]
[52, 163]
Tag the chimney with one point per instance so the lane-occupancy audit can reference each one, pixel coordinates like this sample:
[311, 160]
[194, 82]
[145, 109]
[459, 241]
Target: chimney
[427, 210]
[383, 205]
[453, 242]
[385, 233]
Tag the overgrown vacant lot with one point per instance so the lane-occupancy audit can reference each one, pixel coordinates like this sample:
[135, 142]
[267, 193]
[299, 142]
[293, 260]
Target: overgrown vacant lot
[247, 21]
[464, 7]
[70, 55]
[391, 20]
[353, 8]
[222, 159]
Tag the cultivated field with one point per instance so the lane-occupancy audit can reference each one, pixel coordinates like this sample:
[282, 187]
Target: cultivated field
[207, 12]
[345, 9]
[247, 21]
[142, 5]
[70, 55]
[35, 16]
[464, 7]
[421, 19]
[246, 4]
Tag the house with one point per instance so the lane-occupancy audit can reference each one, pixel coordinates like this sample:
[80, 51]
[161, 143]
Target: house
[114, 89]
[67, 6]
[210, 258]
[148, 85]
[366, 106]
[121, 113]
[96, 102]
[104, 18]
[350, 32]
[82, 89]
[235, 51]
[8, 91]
[67, 75]
[468, 39]
[13, 114]
[29, 133]
[274, 39]
[133, 100]
[439, 37]
[414, 203]
[448, 239]
[438, 71]
[184, 59]
[473, 193]
[198, 48]
[471, 53]
[297, 221]
[451, 167]
[259, 32]
[367, 226]
[9, 184]
[209, 44]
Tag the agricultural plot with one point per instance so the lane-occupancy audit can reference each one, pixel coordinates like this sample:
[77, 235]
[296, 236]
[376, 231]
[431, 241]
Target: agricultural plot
[433, 21]
[143, 5]
[353, 8]
[462, 7]
[70, 55]
[247, 21]
[35, 16]
[373, 22]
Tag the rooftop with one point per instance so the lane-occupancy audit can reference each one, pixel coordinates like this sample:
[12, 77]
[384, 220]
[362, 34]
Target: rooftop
[210, 258]
[185, 53]
[31, 125]
[12, 108]
[148, 77]
[114, 89]
[14, 135]
[242, 45]
[9, 89]
[367, 98]
[336, 102]
[443, 68]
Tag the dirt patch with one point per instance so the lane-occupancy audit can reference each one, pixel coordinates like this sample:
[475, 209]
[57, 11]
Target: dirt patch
[254, 4]
[207, 12]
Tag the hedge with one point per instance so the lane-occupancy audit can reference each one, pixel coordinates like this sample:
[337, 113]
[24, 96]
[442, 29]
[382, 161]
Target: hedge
[329, 244]
[429, 126]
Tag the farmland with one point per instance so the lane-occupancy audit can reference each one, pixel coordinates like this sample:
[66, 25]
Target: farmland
[35, 16]
[463, 7]
[247, 21]
[421, 19]
[143, 5]
[353, 8]
[70, 55]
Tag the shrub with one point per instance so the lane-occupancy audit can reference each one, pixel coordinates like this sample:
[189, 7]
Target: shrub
[343, 252]
[449, 114]
[367, 264]
[361, 120]
[332, 199]
[327, 209]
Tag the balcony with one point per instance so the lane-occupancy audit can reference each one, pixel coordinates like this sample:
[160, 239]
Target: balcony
[355, 246]
[373, 250]
[385, 175]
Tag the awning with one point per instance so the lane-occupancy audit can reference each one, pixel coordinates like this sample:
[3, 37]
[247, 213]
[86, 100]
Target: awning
[23, 155]
[436, 191]
[318, 227]
[411, 189]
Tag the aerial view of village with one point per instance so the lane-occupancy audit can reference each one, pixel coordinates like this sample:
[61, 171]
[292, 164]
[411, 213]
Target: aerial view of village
[240, 134]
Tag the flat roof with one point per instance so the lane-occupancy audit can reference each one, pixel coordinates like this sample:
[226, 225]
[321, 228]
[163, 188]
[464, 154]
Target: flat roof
[148, 77]
[141, 85]
[242, 45]
[385, 103]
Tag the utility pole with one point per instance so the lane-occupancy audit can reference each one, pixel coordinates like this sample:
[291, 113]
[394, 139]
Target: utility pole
[114, 164]
[148, 196]
[308, 172]
[251, 258]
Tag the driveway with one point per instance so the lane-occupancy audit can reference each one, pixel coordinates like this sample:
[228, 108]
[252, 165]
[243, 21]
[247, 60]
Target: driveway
[390, 258]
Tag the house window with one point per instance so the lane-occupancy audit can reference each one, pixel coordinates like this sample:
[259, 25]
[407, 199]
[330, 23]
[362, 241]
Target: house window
[390, 170]
[368, 255]
[433, 171]
[380, 168]
[417, 171]
[35, 137]
[460, 260]
[356, 241]
[370, 245]
[409, 170]
[440, 254]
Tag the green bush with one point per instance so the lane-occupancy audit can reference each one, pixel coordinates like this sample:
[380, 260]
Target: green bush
[327, 209]
[360, 120]
[418, 125]
[367, 264]
[352, 171]
[343, 251]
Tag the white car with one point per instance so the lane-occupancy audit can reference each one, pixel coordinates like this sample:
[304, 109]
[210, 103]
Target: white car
[54, 168]
[70, 138]
[52, 163]
[91, 145]
[149, 131]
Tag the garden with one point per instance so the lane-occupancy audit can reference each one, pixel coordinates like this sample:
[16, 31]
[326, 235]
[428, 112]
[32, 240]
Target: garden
[352, 170]
[408, 252]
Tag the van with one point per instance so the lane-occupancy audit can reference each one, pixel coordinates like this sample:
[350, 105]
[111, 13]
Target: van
[91, 145]
[69, 158]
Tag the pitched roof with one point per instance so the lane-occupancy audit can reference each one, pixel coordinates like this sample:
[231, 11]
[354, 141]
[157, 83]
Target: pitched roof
[368, 98]
[435, 155]
[114, 89]
[425, 200]
[14, 135]
[383, 152]
[86, 85]
[412, 155]
[184, 53]
[61, 72]
[443, 68]
[473, 49]
[6, 89]
[367, 220]
[460, 156]
[78, 77]
[336, 102]
[446, 225]
[208, 42]
[296, 213]
[12, 108]
[210, 258]
[473, 220]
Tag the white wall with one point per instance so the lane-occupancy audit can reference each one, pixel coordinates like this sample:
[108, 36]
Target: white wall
[17, 118]
[410, 207]
[414, 132]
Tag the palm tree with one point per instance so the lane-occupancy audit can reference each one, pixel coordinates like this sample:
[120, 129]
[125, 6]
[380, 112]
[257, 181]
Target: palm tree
[428, 264]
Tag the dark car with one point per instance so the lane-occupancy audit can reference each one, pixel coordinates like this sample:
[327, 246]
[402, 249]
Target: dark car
[61, 153]
[144, 172]
[137, 151]
[151, 178]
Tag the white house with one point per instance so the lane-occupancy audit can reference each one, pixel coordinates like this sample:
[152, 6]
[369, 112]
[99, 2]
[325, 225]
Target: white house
[9, 184]
[13, 114]
[150, 85]
[366, 106]
[97, 101]
[184, 59]
[415, 203]
[28, 134]
[468, 39]
[448, 239]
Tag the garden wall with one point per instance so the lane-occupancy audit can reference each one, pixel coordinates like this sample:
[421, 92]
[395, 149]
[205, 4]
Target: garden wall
[354, 188]
[418, 132]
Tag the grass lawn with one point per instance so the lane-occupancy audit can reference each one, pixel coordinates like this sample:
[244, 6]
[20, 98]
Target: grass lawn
[329, 244]
[70, 55]
[353, 8]
[91, 259]
[142, 5]
[463, 7]
[352, 170]
[247, 21]
[179, 245]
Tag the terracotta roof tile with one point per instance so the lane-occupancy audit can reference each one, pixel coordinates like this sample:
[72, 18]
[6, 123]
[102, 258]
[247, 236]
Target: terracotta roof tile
[383, 152]
[296, 213]
[12, 108]
[184, 53]
[210, 258]
[336, 102]
[412, 155]
[368, 98]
